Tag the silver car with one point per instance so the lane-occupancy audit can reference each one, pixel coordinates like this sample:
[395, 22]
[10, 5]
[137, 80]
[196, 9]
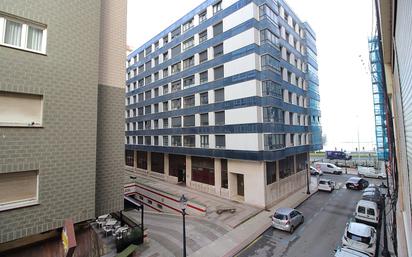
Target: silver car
[287, 219]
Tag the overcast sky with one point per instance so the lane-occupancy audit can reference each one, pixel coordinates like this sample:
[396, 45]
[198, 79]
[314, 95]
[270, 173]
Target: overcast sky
[342, 30]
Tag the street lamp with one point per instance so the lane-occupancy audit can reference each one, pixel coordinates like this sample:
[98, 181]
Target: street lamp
[307, 177]
[385, 251]
[183, 205]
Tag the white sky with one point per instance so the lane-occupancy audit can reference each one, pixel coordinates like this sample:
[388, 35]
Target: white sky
[342, 29]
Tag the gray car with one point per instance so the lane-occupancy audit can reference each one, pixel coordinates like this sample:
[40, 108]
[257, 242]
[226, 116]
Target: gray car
[287, 219]
[373, 196]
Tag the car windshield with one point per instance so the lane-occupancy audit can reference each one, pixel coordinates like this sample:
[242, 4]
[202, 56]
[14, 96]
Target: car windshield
[357, 238]
[322, 182]
[280, 216]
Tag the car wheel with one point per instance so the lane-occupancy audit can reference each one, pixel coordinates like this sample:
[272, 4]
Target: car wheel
[335, 172]
[292, 229]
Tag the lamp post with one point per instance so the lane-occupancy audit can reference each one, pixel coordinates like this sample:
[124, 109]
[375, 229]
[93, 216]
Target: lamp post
[183, 205]
[307, 177]
[385, 251]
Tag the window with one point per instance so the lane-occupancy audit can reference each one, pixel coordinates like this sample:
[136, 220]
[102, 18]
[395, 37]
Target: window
[165, 72]
[165, 123]
[286, 167]
[217, 29]
[219, 95]
[165, 140]
[176, 122]
[165, 106]
[176, 68]
[273, 115]
[156, 45]
[147, 109]
[176, 86]
[204, 141]
[202, 16]
[156, 108]
[148, 80]
[203, 77]
[202, 36]
[148, 65]
[217, 7]
[176, 50]
[17, 109]
[371, 212]
[129, 158]
[266, 36]
[155, 142]
[176, 140]
[156, 76]
[204, 119]
[165, 56]
[18, 189]
[189, 62]
[189, 101]
[140, 97]
[266, 12]
[156, 60]
[220, 118]
[218, 72]
[301, 160]
[188, 43]
[292, 140]
[148, 124]
[188, 25]
[220, 141]
[270, 172]
[203, 170]
[156, 92]
[270, 88]
[189, 121]
[274, 141]
[175, 33]
[165, 39]
[165, 89]
[148, 50]
[141, 56]
[147, 140]
[141, 83]
[23, 35]
[155, 124]
[140, 110]
[176, 104]
[218, 50]
[204, 98]
[270, 63]
[203, 56]
[189, 141]
[141, 69]
[189, 81]
[140, 140]
[148, 95]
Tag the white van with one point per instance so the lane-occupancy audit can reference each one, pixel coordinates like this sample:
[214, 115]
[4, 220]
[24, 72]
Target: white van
[367, 212]
[370, 172]
[328, 168]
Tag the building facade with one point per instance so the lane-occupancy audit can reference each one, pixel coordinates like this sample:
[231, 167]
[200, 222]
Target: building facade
[61, 113]
[226, 101]
[393, 26]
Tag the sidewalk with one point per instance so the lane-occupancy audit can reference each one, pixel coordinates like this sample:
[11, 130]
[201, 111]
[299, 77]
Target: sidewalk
[237, 239]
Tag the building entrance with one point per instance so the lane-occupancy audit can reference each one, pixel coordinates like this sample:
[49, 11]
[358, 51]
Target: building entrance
[240, 185]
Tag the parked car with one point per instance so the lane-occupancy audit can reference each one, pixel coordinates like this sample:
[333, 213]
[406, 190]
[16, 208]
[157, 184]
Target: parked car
[347, 252]
[360, 237]
[367, 212]
[370, 172]
[356, 183]
[287, 219]
[315, 172]
[328, 168]
[326, 185]
[337, 155]
[373, 197]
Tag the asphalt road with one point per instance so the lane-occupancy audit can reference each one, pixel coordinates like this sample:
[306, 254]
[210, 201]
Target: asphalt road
[325, 217]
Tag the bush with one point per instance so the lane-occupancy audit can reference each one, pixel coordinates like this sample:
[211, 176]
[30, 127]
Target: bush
[135, 237]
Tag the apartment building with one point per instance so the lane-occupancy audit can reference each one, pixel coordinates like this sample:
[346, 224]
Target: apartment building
[226, 101]
[394, 42]
[61, 114]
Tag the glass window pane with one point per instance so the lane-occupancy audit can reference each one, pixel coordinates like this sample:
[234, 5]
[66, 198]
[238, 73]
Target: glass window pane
[34, 38]
[13, 33]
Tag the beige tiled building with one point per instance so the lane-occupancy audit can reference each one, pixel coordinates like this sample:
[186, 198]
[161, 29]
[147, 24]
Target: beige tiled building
[61, 112]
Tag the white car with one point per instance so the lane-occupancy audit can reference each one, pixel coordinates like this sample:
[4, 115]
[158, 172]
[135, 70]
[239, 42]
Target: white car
[346, 252]
[360, 237]
[367, 212]
[370, 172]
[326, 185]
[315, 172]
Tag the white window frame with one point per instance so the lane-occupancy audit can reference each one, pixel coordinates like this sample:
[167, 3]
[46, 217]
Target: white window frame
[24, 33]
[22, 203]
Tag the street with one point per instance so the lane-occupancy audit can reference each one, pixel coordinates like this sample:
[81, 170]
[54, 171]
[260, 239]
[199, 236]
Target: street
[325, 217]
